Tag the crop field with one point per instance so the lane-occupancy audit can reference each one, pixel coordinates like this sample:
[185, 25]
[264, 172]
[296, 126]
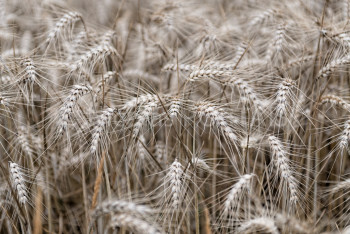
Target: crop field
[179, 117]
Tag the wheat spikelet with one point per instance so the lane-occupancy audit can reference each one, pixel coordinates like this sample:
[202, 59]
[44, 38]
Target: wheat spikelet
[201, 73]
[342, 185]
[23, 140]
[79, 40]
[69, 104]
[161, 152]
[200, 164]
[327, 70]
[181, 67]
[220, 66]
[262, 17]
[177, 184]
[242, 48]
[142, 152]
[246, 90]
[342, 38]
[277, 42]
[144, 114]
[101, 127]
[298, 61]
[66, 22]
[138, 101]
[103, 82]
[217, 118]
[282, 96]
[122, 207]
[108, 37]
[261, 224]
[293, 225]
[334, 100]
[134, 224]
[30, 73]
[18, 182]
[237, 191]
[344, 138]
[174, 109]
[5, 79]
[281, 162]
[94, 55]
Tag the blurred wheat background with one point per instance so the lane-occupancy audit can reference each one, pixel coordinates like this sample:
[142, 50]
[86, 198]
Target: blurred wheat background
[182, 116]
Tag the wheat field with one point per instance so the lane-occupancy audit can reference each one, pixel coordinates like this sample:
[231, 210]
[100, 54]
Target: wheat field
[182, 116]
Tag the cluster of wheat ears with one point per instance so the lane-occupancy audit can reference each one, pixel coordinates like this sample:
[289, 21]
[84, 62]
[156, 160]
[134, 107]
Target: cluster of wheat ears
[181, 116]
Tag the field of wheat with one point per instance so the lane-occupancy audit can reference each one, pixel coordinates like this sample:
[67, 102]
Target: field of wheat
[181, 116]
